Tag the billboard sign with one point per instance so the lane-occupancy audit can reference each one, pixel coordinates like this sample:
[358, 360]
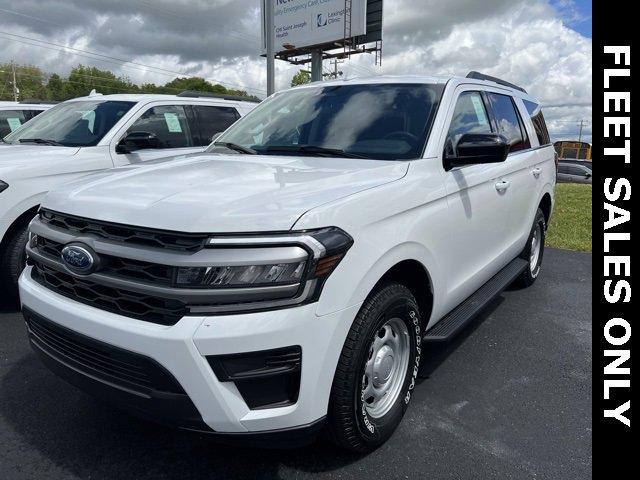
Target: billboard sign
[308, 23]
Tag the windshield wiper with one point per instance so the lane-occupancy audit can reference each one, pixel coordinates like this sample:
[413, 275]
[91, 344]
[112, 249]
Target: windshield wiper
[236, 147]
[41, 141]
[313, 149]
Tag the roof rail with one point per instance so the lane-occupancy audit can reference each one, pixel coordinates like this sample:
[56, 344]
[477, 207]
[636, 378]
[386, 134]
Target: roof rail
[223, 96]
[36, 101]
[481, 76]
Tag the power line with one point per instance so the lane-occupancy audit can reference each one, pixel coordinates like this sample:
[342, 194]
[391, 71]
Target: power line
[111, 59]
[13, 12]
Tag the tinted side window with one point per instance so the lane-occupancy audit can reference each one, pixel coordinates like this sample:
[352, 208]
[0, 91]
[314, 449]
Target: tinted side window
[11, 120]
[168, 123]
[539, 124]
[212, 120]
[469, 116]
[509, 123]
[33, 113]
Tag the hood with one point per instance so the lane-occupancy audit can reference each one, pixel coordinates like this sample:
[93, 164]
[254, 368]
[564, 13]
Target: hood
[220, 193]
[16, 156]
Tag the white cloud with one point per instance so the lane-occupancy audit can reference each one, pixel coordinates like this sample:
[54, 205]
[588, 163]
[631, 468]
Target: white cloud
[523, 41]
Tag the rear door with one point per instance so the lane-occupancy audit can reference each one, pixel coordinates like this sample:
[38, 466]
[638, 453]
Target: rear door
[521, 190]
[478, 205]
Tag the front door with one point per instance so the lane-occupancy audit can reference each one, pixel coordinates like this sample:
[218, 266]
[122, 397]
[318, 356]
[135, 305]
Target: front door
[477, 202]
[172, 130]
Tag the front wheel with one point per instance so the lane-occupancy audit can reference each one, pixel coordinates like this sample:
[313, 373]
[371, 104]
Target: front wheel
[377, 370]
[12, 261]
[533, 251]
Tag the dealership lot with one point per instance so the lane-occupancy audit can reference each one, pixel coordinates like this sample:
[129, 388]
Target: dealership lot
[509, 398]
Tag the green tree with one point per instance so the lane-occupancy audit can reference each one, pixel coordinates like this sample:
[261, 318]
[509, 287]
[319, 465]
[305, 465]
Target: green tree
[55, 87]
[300, 78]
[29, 79]
[82, 79]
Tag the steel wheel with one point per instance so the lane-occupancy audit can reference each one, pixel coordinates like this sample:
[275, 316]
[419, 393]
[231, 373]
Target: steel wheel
[536, 247]
[386, 367]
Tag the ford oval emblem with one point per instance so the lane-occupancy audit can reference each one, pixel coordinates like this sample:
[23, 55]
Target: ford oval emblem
[78, 259]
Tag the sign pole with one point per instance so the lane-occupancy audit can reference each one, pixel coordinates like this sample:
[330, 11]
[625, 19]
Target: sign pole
[269, 31]
[316, 65]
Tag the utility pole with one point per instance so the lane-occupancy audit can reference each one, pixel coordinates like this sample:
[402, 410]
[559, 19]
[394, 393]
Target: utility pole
[335, 69]
[582, 124]
[269, 31]
[15, 86]
[316, 66]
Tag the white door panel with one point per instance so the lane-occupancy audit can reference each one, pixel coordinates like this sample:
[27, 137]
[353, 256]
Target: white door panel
[477, 198]
[478, 218]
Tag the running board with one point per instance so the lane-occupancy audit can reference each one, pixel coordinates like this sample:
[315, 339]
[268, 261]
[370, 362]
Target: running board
[459, 317]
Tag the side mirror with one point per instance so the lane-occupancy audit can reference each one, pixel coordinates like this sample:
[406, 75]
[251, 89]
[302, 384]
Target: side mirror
[587, 175]
[137, 141]
[476, 148]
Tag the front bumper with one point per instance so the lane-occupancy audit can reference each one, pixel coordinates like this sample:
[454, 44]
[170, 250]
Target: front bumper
[181, 349]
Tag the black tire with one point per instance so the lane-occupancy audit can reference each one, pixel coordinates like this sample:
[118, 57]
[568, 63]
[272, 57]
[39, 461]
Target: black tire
[349, 424]
[12, 262]
[529, 276]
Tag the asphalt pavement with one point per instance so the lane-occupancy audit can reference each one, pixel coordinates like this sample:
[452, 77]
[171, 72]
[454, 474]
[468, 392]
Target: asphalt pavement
[510, 397]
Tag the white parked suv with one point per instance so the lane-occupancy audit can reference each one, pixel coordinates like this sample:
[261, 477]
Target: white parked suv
[285, 281]
[95, 133]
[14, 114]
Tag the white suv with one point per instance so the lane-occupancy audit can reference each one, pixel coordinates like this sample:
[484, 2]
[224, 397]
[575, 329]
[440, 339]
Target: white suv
[95, 133]
[14, 114]
[285, 281]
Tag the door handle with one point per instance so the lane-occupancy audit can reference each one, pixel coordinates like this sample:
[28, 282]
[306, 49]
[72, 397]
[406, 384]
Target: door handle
[502, 185]
[536, 172]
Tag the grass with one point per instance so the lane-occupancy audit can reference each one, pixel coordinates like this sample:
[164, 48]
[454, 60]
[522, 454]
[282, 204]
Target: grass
[570, 226]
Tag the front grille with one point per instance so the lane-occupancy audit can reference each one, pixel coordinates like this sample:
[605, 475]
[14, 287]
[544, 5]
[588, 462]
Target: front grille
[124, 234]
[119, 301]
[117, 366]
[117, 266]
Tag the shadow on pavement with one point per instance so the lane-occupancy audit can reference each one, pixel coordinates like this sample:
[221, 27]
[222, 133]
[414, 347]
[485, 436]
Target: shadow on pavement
[7, 306]
[435, 353]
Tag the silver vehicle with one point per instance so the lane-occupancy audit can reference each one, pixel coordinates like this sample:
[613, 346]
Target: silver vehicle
[573, 173]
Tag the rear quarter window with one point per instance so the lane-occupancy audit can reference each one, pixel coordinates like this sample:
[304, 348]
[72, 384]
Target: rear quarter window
[540, 126]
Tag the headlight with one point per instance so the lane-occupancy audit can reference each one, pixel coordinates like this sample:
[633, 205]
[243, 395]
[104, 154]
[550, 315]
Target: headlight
[238, 276]
[265, 272]
[3, 185]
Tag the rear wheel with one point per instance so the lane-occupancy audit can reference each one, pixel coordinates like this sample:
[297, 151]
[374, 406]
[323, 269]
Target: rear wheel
[13, 259]
[377, 370]
[533, 251]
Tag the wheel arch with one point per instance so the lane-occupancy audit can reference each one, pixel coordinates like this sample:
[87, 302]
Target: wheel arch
[412, 265]
[413, 275]
[22, 219]
[546, 205]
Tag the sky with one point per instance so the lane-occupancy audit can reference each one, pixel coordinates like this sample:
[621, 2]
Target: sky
[543, 45]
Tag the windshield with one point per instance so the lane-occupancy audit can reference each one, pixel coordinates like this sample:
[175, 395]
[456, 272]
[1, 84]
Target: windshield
[72, 124]
[379, 121]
